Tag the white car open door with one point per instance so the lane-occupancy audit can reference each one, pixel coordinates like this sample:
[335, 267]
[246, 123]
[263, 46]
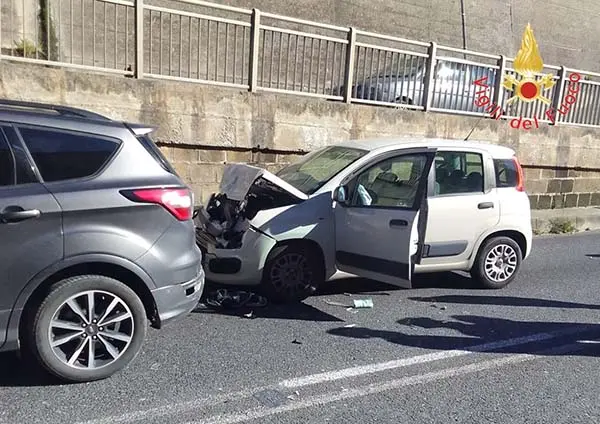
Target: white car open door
[381, 216]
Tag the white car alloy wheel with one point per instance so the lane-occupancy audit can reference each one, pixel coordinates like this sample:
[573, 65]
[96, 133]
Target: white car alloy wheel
[91, 329]
[501, 263]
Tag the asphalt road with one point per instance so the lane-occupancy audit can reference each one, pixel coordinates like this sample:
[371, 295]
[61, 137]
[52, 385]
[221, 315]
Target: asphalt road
[442, 352]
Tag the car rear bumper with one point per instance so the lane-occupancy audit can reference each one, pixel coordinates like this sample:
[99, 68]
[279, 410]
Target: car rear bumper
[178, 300]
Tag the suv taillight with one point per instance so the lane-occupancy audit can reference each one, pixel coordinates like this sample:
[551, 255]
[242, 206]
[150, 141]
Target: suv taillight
[178, 201]
[520, 177]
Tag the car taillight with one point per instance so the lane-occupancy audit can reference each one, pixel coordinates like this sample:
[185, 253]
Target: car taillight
[520, 177]
[178, 201]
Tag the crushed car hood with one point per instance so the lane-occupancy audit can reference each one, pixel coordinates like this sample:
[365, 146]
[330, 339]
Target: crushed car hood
[245, 190]
[238, 178]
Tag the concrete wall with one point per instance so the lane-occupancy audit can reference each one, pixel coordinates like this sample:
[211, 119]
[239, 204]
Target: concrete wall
[202, 127]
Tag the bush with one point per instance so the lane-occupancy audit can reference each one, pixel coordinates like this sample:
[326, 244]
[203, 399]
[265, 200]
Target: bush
[562, 226]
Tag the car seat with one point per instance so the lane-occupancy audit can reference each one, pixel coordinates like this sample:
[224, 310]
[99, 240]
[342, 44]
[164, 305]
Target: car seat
[475, 182]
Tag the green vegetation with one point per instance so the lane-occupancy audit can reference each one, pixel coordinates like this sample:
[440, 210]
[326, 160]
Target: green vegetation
[562, 226]
[48, 38]
[25, 48]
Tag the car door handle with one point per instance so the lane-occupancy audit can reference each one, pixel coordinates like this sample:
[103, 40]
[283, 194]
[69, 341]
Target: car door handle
[18, 215]
[398, 223]
[485, 205]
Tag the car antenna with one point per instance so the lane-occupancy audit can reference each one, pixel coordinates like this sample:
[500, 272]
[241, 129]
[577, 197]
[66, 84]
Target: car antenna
[474, 126]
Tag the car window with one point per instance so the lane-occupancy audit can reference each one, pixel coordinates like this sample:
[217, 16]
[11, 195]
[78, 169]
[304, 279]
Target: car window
[67, 155]
[458, 173]
[24, 171]
[506, 173]
[315, 169]
[7, 168]
[390, 183]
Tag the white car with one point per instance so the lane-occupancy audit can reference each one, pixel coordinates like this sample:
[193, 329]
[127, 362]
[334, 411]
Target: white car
[380, 209]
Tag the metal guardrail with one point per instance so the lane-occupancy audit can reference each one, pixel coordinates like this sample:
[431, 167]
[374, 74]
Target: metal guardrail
[208, 43]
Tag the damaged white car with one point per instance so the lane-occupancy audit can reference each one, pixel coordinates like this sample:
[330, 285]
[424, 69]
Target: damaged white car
[379, 209]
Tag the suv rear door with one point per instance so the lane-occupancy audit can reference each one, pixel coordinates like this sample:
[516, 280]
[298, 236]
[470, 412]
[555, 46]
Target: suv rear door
[380, 226]
[30, 224]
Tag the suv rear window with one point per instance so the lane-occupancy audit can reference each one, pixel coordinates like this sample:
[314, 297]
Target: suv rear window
[66, 155]
[506, 173]
[155, 152]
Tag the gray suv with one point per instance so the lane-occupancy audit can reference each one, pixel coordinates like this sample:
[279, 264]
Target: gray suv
[96, 239]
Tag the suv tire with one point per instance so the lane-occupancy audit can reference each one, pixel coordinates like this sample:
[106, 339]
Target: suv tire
[292, 273]
[497, 263]
[116, 329]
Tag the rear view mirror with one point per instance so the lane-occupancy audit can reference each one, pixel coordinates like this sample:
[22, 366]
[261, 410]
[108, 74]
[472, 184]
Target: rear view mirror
[339, 194]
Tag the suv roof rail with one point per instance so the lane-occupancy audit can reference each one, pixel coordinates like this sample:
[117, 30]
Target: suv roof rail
[62, 110]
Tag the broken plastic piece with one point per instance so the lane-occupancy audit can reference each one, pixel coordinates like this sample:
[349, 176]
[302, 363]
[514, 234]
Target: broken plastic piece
[344, 305]
[363, 303]
[235, 299]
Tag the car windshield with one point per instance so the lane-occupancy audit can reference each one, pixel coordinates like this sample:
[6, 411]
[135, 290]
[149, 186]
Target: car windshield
[315, 169]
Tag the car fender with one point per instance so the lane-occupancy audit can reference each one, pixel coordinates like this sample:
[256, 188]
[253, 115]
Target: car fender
[489, 232]
[308, 220]
[35, 282]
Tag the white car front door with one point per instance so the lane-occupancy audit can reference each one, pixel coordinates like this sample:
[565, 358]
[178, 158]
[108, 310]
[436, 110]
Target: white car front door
[380, 225]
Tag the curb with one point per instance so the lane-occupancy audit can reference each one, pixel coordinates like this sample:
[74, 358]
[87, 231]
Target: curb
[580, 219]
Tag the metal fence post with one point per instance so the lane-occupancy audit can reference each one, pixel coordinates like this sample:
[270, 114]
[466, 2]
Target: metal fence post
[349, 68]
[498, 87]
[254, 50]
[559, 93]
[429, 74]
[139, 38]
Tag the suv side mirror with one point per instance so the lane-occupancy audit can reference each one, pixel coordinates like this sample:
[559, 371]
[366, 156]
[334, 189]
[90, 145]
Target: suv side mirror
[340, 195]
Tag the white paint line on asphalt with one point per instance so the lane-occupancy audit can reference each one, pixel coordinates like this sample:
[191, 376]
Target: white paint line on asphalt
[375, 388]
[589, 341]
[183, 407]
[177, 408]
[430, 357]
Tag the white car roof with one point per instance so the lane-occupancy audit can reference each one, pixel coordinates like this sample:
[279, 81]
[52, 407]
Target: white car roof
[384, 144]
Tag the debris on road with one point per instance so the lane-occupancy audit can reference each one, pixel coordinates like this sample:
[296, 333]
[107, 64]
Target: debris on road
[350, 326]
[356, 304]
[344, 305]
[296, 342]
[250, 315]
[225, 299]
[363, 303]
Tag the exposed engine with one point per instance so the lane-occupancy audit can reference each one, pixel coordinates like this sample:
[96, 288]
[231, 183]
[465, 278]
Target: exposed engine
[224, 221]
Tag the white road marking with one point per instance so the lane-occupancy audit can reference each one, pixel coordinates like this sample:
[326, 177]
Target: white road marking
[183, 407]
[375, 388]
[430, 357]
[589, 341]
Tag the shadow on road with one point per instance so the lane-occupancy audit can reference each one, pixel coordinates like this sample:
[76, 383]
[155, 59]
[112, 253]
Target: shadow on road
[296, 311]
[363, 286]
[504, 301]
[474, 331]
[15, 372]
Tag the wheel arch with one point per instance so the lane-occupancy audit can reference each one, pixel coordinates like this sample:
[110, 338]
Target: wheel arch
[515, 235]
[118, 268]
